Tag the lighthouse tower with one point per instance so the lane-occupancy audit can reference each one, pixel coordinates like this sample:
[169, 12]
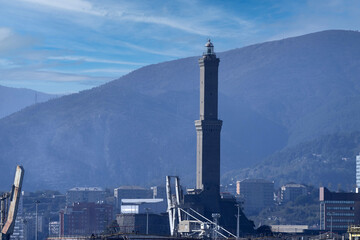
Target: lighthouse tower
[205, 198]
[208, 127]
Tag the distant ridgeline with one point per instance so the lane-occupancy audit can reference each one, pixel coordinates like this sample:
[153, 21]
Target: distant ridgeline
[291, 103]
[15, 99]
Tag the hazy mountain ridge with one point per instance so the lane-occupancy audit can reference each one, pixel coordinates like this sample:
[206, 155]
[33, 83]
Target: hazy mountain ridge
[139, 128]
[15, 99]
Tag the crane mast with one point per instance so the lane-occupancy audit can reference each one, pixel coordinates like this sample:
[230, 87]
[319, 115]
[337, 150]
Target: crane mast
[7, 221]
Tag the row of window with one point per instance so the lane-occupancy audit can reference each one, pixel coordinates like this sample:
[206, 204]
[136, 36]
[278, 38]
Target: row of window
[340, 208]
[340, 214]
[340, 220]
[340, 226]
[341, 202]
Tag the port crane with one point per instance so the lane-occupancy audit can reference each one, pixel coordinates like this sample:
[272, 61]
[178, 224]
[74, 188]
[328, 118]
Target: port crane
[187, 222]
[9, 205]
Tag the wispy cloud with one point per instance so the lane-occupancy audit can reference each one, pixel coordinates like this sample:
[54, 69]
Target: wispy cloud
[9, 41]
[167, 52]
[4, 64]
[132, 15]
[24, 75]
[169, 22]
[4, 33]
[95, 60]
[194, 22]
[80, 6]
[107, 70]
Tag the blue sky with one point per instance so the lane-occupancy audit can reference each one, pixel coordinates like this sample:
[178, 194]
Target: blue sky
[65, 46]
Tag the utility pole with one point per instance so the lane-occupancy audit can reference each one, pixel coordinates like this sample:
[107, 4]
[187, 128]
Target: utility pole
[147, 220]
[238, 221]
[331, 225]
[36, 218]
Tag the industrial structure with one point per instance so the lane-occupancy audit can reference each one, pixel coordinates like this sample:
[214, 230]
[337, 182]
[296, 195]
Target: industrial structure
[9, 205]
[202, 211]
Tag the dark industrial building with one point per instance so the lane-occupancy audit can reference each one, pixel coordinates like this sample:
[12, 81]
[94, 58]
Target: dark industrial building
[150, 223]
[85, 219]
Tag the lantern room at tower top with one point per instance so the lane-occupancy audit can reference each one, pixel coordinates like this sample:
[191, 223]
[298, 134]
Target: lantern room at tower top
[209, 48]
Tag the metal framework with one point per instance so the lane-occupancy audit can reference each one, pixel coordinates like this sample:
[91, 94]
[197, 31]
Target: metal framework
[188, 222]
[173, 204]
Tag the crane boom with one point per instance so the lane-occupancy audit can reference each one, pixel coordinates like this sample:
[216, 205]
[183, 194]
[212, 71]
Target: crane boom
[8, 228]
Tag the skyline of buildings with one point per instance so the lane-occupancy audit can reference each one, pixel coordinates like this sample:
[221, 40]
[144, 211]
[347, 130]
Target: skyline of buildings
[54, 227]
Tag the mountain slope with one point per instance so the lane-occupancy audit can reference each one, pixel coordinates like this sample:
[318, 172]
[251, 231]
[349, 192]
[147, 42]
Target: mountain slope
[139, 128]
[308, 84]
[111, 136]
[327, 161]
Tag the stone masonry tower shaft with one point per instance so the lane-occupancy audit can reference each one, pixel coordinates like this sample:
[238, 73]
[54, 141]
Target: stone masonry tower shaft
[208, 127]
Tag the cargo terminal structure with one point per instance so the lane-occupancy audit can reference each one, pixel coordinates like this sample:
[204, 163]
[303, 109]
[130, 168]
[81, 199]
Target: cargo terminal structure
[205, 201]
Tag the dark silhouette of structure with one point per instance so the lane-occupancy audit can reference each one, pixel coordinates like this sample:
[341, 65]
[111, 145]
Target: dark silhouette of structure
[208, 127]
[206, 198]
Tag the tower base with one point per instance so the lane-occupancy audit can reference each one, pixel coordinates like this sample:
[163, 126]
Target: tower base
[226, 207]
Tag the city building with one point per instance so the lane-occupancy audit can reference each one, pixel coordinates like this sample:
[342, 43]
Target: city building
[256, 194]
[54, 229]
[85, 194]
[136, 206]
[291, 191]
[131, 192]
[29, 226]
[85, 218]
[338, 210]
